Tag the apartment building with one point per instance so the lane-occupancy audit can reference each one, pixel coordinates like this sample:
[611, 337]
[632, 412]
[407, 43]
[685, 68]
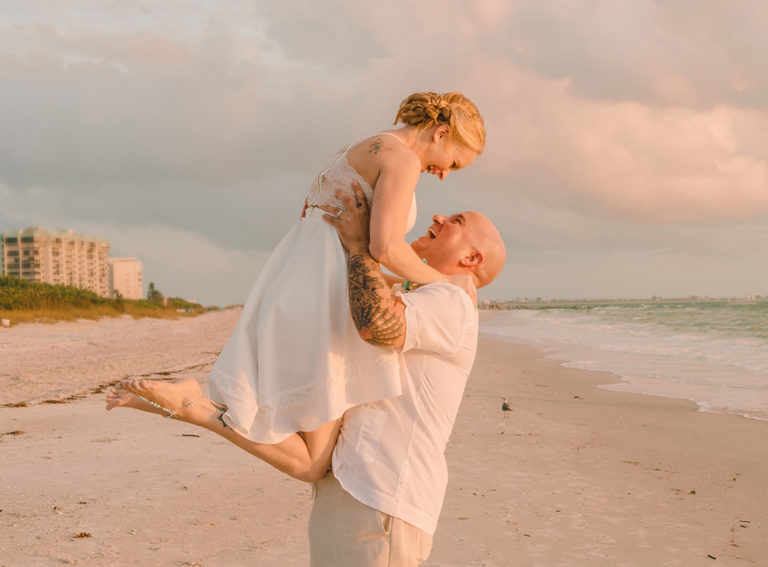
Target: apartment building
[44, 256]
[125, 278]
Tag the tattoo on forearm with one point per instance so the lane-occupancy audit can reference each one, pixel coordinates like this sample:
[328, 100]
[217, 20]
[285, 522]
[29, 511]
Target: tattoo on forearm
[372, 303]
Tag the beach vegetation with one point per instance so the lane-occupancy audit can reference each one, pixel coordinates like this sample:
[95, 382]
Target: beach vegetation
[154, 295]
[25, 302]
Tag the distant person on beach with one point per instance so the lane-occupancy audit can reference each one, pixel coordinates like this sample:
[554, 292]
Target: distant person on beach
[380, 504]
[295, 362]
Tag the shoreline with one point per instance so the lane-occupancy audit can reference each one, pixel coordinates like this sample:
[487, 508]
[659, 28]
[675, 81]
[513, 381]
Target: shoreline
[574, 475]
[624, 385]
[719, 374]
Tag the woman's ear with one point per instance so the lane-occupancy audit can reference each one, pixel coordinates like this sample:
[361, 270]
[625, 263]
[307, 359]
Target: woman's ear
[442, 132]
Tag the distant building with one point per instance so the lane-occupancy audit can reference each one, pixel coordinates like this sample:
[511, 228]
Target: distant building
[125, 278]
[44, 256]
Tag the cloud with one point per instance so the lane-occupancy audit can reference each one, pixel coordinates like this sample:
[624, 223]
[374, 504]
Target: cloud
[624, 159]
[699, 54]
[183, 263]
[210, 119]
[242, 216]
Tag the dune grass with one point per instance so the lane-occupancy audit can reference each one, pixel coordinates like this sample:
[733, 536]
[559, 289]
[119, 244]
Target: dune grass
[25, 302]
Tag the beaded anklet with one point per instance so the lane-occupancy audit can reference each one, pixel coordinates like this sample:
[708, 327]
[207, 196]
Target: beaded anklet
[171, 413]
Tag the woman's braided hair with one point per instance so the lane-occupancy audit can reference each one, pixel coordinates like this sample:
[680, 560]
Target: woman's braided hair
[424, 110]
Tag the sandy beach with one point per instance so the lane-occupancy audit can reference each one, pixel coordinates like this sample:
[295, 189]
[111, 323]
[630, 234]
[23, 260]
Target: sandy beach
[572, 476]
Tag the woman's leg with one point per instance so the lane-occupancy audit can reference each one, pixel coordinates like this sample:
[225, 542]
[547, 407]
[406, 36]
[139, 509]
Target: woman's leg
[304, 456]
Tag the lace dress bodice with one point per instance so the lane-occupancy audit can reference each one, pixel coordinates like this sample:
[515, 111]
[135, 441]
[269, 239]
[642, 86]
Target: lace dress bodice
[339, 174]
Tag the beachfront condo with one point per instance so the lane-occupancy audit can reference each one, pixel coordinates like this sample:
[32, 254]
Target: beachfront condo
[125, 278]
[44, 256]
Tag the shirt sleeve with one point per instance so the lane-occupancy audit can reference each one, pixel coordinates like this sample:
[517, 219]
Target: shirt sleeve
[436, 318]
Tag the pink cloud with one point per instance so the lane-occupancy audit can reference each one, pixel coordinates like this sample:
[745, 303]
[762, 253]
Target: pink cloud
[629, 159]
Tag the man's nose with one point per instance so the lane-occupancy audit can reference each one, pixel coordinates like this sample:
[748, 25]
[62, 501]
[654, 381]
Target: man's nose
[439, 219]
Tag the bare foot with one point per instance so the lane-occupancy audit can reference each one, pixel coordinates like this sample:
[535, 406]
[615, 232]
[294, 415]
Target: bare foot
[118, 397]
[181, 399]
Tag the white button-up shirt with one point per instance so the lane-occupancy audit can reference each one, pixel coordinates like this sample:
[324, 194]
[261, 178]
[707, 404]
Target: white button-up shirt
[390, 454]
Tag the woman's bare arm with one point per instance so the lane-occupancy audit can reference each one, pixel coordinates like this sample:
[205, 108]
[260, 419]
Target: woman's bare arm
[392, 199]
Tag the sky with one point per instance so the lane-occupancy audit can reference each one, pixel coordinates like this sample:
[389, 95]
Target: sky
[626, 154]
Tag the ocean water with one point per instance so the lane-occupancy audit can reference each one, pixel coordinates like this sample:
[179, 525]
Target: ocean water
[713, 353]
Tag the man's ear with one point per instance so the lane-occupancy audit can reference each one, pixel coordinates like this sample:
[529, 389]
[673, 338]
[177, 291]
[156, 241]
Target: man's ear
[474, 258]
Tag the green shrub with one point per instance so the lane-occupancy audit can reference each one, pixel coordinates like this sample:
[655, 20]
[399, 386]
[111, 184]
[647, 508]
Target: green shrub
[21, 300]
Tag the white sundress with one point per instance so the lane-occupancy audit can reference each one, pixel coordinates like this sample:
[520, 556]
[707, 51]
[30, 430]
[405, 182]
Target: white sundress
[295, 360]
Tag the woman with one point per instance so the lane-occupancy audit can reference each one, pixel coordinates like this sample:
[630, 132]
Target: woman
[295, 362]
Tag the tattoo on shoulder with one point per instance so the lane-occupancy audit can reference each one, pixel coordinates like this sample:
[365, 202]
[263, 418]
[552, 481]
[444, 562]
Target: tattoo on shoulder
[372, 303]
[376, 146]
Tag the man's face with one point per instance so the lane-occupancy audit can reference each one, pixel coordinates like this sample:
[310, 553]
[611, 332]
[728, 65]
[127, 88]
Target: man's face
[448, 240]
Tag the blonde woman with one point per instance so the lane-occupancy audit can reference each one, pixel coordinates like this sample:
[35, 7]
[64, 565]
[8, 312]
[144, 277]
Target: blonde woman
[295, 361]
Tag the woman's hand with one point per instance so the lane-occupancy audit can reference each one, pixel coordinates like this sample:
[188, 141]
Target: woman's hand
[465, 282]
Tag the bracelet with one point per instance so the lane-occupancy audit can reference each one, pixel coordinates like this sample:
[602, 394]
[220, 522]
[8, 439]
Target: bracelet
[408, 285]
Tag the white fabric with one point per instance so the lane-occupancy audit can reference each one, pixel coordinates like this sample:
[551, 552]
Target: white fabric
[337, 174]
[295, 360]
[390, 453]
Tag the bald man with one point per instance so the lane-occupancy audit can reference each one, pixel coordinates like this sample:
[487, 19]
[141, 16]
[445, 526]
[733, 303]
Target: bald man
[380, 503]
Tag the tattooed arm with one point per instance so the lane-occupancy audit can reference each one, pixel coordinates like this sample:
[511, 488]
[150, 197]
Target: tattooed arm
[378, 314]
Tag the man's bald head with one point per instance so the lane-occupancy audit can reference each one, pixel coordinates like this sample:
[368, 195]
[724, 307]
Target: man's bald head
[463, 243]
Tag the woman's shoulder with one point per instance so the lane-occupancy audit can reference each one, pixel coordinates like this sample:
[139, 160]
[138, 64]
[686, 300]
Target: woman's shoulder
[386, 147]
[379, 143]
[382, 151]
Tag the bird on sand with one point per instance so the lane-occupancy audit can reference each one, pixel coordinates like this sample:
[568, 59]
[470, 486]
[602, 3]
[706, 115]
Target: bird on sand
[506, 406]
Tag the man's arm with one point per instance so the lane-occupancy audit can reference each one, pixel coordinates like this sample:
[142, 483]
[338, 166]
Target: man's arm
[378, 314]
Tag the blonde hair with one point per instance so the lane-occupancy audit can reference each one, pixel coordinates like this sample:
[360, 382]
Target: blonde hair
[424, 110]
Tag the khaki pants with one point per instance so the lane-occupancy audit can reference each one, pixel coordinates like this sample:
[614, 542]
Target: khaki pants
[344, 532]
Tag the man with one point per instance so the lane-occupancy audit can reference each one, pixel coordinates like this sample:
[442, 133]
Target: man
[381, 502]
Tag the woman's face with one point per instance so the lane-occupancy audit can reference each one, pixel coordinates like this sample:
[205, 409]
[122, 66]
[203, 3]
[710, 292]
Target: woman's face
[445, 156]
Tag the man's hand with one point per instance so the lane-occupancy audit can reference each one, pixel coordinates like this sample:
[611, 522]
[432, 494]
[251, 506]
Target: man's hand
[378, 315]
[352, 224]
